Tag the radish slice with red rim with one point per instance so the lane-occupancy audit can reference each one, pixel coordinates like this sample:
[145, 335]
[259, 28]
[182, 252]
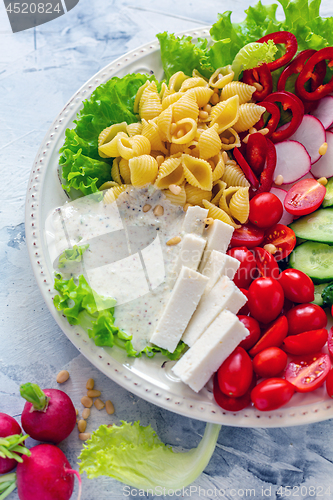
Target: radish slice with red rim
[293, 161]
[286, 218]
[311, 134]
[324, 111]
[324, 167]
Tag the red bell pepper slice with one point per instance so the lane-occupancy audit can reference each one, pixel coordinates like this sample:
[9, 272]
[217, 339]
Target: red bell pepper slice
[267, 175]
[290, 102]
[261, 75]
[246, 168]
[274, 119]
[290, 42]
[308, 72]
[256, 151]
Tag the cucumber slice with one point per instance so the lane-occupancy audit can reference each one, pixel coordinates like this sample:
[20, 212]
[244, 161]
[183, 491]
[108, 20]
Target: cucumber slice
[314, 259]
[328, 200]
[318, 300]
[317, 226]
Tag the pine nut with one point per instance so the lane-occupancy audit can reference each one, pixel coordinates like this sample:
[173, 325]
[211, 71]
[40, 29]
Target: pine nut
[231, 139]
[186, 206]
[258, 86]
[219, 76]
[279, 180]
[146, 208]
[87, 402]
[159, 159]
[323, 148]
[225, 156]
[180, 133]
[158, 210]
[215, 99]
[209, 221]
[231, 162]
[270, 248]
[203, 115]
[252, 130]
[264, 131]
[82, 425]
[93, 393]
[86, 413]
[99, 404]
[175, 189]
[109, 407]
[216, 90]
[207, 108]
[62, 376]
[84, 436]
[246, 139]
[322, 181]
[174, 241]
[224, 140]
[173, 128]
[76, 411]
[90, 384]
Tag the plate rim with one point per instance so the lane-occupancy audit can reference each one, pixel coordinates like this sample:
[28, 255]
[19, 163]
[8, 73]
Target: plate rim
[208, 412]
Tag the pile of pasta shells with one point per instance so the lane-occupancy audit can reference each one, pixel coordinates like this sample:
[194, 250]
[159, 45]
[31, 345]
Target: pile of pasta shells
[181, 143]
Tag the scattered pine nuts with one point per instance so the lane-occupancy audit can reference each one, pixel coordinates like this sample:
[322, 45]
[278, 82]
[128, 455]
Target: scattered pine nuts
[203, 115]
[76, 411]
[264, 131]
[270, 248]
[90, 384]
[279, 180]
[258, 86]
[175, 189]
[82, 425]
[174, 241]
[159, 159]
[215, 99]
[109, 407]
[246, 139]
[323, 148]
[93, 393]
[224, 140]
[225, 156]
[207, 108]
[146, 208]
[84, 436]
[186, 206]
[252, 130]
[86, 413]
[322, 181]
[219, 76]
[180, 133]
[87, 402]
[158, 210]
[62, 376]
[99, 404]
[231, 139]
[209, 221]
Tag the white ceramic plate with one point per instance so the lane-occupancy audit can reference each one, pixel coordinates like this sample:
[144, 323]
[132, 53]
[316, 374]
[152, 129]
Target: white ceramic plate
[150, 379]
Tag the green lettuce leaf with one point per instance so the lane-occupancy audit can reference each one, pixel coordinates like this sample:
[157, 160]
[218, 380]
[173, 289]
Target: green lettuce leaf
[95, 314]
[71, 255]
[135, 455]
[252, 55]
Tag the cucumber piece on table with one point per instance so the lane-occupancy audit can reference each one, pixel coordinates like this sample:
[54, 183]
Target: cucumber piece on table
[314, 259]
[317, 226]
[318, 299]
[328, 200]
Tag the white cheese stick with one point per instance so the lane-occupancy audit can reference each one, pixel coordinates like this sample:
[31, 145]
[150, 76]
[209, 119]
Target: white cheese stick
[224, 295]
[182, 303]
[219, 264]
[199, 363]
[194, 220]
[191, 251]
[218, 238]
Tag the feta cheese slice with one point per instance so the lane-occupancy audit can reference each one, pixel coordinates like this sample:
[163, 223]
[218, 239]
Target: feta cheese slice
[219, 264]
[192, 247]
[194, 220]
[224, 295]
[182, 303]
[199, 363]
[218, 238]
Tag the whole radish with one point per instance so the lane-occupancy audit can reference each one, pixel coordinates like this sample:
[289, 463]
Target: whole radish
[10, 443]
[48, 415]
[45, 475]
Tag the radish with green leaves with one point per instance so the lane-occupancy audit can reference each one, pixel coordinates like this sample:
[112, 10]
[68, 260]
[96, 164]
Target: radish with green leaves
[45, 475]
[48, 415]
[11, 440]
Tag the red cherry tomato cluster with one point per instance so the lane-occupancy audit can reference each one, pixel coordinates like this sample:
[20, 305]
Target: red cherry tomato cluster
[282, 353]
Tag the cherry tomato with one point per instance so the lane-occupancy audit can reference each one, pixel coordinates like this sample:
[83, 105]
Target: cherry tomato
[297, 286]
[272, 393]
[304, 197]
[245, 273]
[265, 299]
[265, 210]
[307, 373]
[266, 263]
[270, 362]
[283, 238]
[235, 373]
[329, 342]
[273, 337]
[245, 309]
[230, 403]
[306, 342]
[254, 331]
[248, 236]
[305, 317]
[329, 383]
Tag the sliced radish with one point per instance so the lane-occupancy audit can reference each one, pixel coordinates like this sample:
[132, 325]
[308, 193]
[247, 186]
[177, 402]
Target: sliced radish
[306, 176]
[292, 162]
[311, 134]
[324, 111]
[324, 167]
[286, 217]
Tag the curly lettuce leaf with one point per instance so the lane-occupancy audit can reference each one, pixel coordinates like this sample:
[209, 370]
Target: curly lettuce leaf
[95, 314]
[71, 255]
[252, 55]
[136, 456]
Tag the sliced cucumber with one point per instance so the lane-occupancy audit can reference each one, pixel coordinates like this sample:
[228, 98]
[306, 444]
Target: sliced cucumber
[317, 226]
[328, 200]
[318, 300]
[314, 259]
